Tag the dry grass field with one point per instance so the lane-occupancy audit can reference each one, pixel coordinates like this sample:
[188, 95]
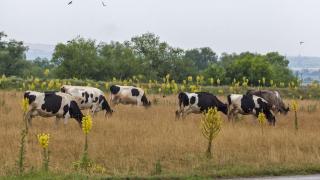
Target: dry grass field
[134, 139]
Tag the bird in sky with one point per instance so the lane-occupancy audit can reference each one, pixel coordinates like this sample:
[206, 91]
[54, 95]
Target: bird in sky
[301, 42]
[103, 4]
[70, 3]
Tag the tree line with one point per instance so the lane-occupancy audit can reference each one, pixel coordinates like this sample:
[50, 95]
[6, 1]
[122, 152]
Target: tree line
[145, 56]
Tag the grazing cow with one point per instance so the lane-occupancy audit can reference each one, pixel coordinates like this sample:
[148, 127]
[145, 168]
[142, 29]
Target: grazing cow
[273, 97]
[128, 95]
[250, 104]
[92, 98]
[51, 104]
[198, 102]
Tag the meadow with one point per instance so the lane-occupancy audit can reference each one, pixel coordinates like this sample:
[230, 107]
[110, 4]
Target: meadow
[139, 142]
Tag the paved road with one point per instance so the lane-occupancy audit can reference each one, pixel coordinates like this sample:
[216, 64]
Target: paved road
[302, 177]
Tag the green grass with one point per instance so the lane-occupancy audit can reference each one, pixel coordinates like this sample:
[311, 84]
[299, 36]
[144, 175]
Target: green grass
[206, 172]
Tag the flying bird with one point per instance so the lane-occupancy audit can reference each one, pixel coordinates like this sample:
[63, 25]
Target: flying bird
[70, 3]
[103, 4]
[301, 42]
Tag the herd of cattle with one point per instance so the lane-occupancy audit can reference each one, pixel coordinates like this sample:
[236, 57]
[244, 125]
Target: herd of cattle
[69, 102]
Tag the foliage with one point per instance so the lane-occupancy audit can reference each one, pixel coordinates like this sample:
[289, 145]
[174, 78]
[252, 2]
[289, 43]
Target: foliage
[12, 57]
[86, 124]
[22, 151]
[294, 107]
[145, 56]
[43, 140]
[211, 126]
[85, 162]
[262, 120]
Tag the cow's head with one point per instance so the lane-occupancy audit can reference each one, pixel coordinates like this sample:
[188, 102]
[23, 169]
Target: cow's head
[145, 101]
[284, 110]
[183, 99]
[75, 112]
[103, 104]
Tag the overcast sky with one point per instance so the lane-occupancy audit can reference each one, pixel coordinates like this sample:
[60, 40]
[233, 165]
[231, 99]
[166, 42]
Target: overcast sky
[224, 25]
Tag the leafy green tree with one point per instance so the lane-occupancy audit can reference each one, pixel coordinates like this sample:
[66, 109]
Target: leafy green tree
[118, 60]
[12, 56]
[215, 71]
[152, 52]
[276, 59]
[201, 57]
[77, 58]
[252, 67]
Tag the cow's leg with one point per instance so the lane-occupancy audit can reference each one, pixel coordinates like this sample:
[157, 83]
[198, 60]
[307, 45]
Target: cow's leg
[65, 119]
[231, 113]
[178, 114]
[185, 112]
[114, 100]
[93, 110]
[139, 102]
[30, 115]
[57, 122]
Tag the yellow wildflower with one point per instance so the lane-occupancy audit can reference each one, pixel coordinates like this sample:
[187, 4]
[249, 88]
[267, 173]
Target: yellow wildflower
[25, 105]
[211, 123]
[262, 118]
[46, 72]
[86, 124]
[294, 105]
[43, 140]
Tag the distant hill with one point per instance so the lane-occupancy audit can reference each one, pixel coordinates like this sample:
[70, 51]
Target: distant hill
[304, 62]
[306, 67]
[39, 50]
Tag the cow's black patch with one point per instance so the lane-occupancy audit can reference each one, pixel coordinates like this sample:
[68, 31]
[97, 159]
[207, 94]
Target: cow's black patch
[208, 100]
[31, 98]
[75, 112]
[104, 104]
[52, 103]
[91, 95]
[192, 100]
[145, 101]
[65, 110]
[135, 92]
[95, 99]
[229, 99]
[183, 99]
[83, 94]
[114, 89]
[82, 101]
[86, 96]
[247, 103]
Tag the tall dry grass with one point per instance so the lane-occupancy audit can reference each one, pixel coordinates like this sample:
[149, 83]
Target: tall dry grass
[134, 139]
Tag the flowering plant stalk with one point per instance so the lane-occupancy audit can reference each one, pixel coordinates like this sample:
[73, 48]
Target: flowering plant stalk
[85, 162]
[43, 140]
[24, 133]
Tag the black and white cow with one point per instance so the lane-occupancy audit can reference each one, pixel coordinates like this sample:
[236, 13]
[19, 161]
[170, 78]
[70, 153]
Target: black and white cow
[128, 95]
[274, 98]
[49, 104]
[250, 104]
[198, 102]
[92, 98]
